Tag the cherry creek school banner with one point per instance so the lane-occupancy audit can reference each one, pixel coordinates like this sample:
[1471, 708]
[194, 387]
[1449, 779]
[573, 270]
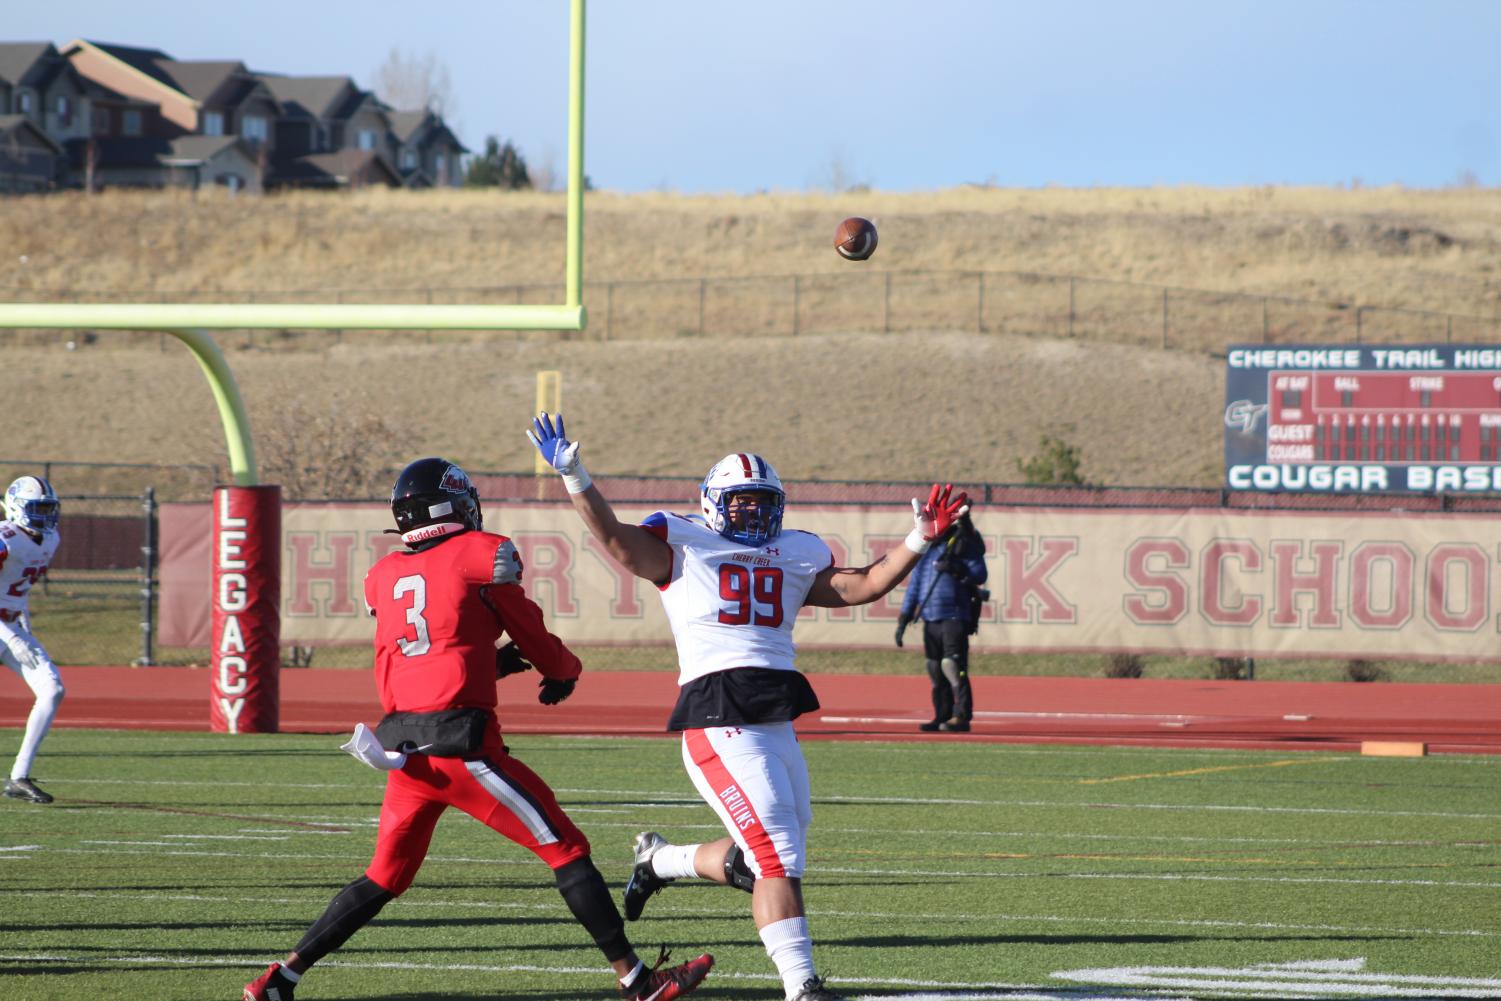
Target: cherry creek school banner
[1202, 582]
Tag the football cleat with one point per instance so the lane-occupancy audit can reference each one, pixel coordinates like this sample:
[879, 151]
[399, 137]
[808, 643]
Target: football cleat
[658, 984]
[24, 788]
[814, 990]
[269, 986]
[643, 882]
[955, 725]
[932, 726]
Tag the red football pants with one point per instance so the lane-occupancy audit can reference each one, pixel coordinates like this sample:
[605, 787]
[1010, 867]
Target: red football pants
[495, 789]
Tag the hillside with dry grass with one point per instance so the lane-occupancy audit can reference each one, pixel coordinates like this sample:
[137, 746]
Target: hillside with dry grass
[937, 398]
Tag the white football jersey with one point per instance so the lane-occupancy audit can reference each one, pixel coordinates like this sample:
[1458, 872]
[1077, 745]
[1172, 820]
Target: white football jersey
[23, 561]
[732, 605]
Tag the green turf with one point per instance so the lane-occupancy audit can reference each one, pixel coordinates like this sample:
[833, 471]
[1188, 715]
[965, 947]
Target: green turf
[174, 866]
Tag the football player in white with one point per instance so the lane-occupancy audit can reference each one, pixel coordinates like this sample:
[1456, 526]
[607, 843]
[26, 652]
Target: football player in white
[732, 582]
[28, 538]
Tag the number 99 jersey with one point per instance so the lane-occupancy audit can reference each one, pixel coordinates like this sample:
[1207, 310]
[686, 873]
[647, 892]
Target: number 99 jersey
[732, 605]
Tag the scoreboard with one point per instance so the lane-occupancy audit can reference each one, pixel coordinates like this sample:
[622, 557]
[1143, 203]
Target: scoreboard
[1394, 418]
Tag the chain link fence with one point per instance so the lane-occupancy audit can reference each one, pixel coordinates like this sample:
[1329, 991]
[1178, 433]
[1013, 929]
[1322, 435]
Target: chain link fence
[96, 604]
[854, 300]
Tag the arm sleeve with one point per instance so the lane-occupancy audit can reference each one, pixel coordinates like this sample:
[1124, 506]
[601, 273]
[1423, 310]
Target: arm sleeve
[506, 568]
[522, 619]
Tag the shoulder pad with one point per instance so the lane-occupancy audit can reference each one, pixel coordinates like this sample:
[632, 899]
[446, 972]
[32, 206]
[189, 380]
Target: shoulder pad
[507, 568]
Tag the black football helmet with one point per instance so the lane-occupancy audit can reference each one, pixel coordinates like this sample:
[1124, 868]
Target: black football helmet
[432, 498]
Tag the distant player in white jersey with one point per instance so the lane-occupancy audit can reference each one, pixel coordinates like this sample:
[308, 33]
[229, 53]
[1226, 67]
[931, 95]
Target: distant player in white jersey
[28, 538]
[732, 582]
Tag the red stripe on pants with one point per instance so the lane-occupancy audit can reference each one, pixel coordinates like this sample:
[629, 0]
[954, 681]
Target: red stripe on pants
[735, 802]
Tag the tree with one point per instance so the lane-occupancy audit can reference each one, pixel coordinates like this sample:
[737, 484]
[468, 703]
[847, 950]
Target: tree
[407, 82]
[1058, 462]
[499, 166]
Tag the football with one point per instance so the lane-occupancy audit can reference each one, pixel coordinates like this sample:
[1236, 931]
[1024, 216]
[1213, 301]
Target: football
[855, 239]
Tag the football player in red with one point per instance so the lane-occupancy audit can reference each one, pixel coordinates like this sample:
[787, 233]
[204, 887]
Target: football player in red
[732, 582]
[440, 607]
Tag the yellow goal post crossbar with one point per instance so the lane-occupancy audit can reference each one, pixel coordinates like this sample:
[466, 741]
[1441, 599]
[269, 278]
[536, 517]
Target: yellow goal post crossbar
[189, 322]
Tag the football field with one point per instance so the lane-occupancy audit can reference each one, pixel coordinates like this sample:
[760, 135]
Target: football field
[176, 865]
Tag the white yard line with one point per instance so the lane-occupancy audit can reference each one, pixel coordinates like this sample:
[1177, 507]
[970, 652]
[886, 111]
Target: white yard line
[701, 905]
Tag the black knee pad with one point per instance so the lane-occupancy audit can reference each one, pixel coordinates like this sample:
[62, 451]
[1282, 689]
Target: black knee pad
[737, 872]
[584, 890]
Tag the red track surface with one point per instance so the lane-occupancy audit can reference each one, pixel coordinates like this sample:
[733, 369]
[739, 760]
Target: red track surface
[1246, 714]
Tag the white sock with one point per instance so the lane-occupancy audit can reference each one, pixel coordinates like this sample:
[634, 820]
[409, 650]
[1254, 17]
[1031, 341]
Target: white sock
[791, 948]
[288, 975]
[675, 862]
[629, 979]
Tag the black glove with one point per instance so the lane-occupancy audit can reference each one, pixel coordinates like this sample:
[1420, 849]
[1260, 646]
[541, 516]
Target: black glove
[901, 627]
[554, 691]
[508, 661]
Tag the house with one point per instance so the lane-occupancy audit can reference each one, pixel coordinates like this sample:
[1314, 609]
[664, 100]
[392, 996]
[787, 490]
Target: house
[191, 162]
[40, 85]
[425, 151]
[146, 94]
[324, 115]
[128, 115]
[348, 168]
[28, 156]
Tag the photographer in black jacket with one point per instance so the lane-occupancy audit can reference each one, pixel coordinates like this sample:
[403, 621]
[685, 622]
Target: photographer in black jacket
[944, 592]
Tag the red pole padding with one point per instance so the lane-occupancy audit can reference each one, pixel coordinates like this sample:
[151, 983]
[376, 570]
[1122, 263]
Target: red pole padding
[246, 658]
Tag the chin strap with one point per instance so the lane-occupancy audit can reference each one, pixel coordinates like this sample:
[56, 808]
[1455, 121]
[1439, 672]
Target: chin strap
[429, 532]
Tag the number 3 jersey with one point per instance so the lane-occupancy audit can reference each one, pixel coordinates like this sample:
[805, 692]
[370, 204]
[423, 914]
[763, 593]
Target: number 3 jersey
[23, 561]
[438, 613]
[732, 607]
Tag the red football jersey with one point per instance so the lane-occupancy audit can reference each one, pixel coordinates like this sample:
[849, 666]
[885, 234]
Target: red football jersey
[438, 614]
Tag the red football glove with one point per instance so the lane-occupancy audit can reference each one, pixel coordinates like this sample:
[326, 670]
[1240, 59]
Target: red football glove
[931, 520]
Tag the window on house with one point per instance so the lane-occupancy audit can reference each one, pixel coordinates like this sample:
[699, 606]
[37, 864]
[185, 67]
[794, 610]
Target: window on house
[23, 103]
[131, 125]
[366, 139]
[213, 123]
[440, 168]
[64, 109]
[408, 159]
[253, 128]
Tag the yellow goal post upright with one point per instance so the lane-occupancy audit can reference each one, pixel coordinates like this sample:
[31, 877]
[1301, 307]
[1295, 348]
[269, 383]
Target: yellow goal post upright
[246, 550]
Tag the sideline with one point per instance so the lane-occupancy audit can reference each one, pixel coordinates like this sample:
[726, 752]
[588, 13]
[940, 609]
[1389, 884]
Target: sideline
[1261, 715]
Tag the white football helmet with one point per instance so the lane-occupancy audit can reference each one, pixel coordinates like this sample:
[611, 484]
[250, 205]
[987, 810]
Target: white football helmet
[31, 503]
[737, 473]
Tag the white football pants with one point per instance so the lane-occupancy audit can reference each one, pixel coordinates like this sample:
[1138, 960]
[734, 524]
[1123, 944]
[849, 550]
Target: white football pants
[755, 778]
[20, 651]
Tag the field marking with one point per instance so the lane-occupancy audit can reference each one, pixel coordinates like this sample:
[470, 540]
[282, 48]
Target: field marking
[1180, 838]
[120, 847]
[1309, 978]
[646, 799]
[252, 963]
[699, 907]
[1195, 771]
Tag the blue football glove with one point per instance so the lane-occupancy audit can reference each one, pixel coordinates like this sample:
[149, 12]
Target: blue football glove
[552, 441]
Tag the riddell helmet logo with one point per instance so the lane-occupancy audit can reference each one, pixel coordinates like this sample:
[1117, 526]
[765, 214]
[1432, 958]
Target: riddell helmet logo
[454, 481]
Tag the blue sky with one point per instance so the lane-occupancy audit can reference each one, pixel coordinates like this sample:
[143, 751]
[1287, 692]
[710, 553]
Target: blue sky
[705, 96]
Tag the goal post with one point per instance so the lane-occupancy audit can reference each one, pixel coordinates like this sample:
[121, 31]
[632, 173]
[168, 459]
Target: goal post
[245, 655]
